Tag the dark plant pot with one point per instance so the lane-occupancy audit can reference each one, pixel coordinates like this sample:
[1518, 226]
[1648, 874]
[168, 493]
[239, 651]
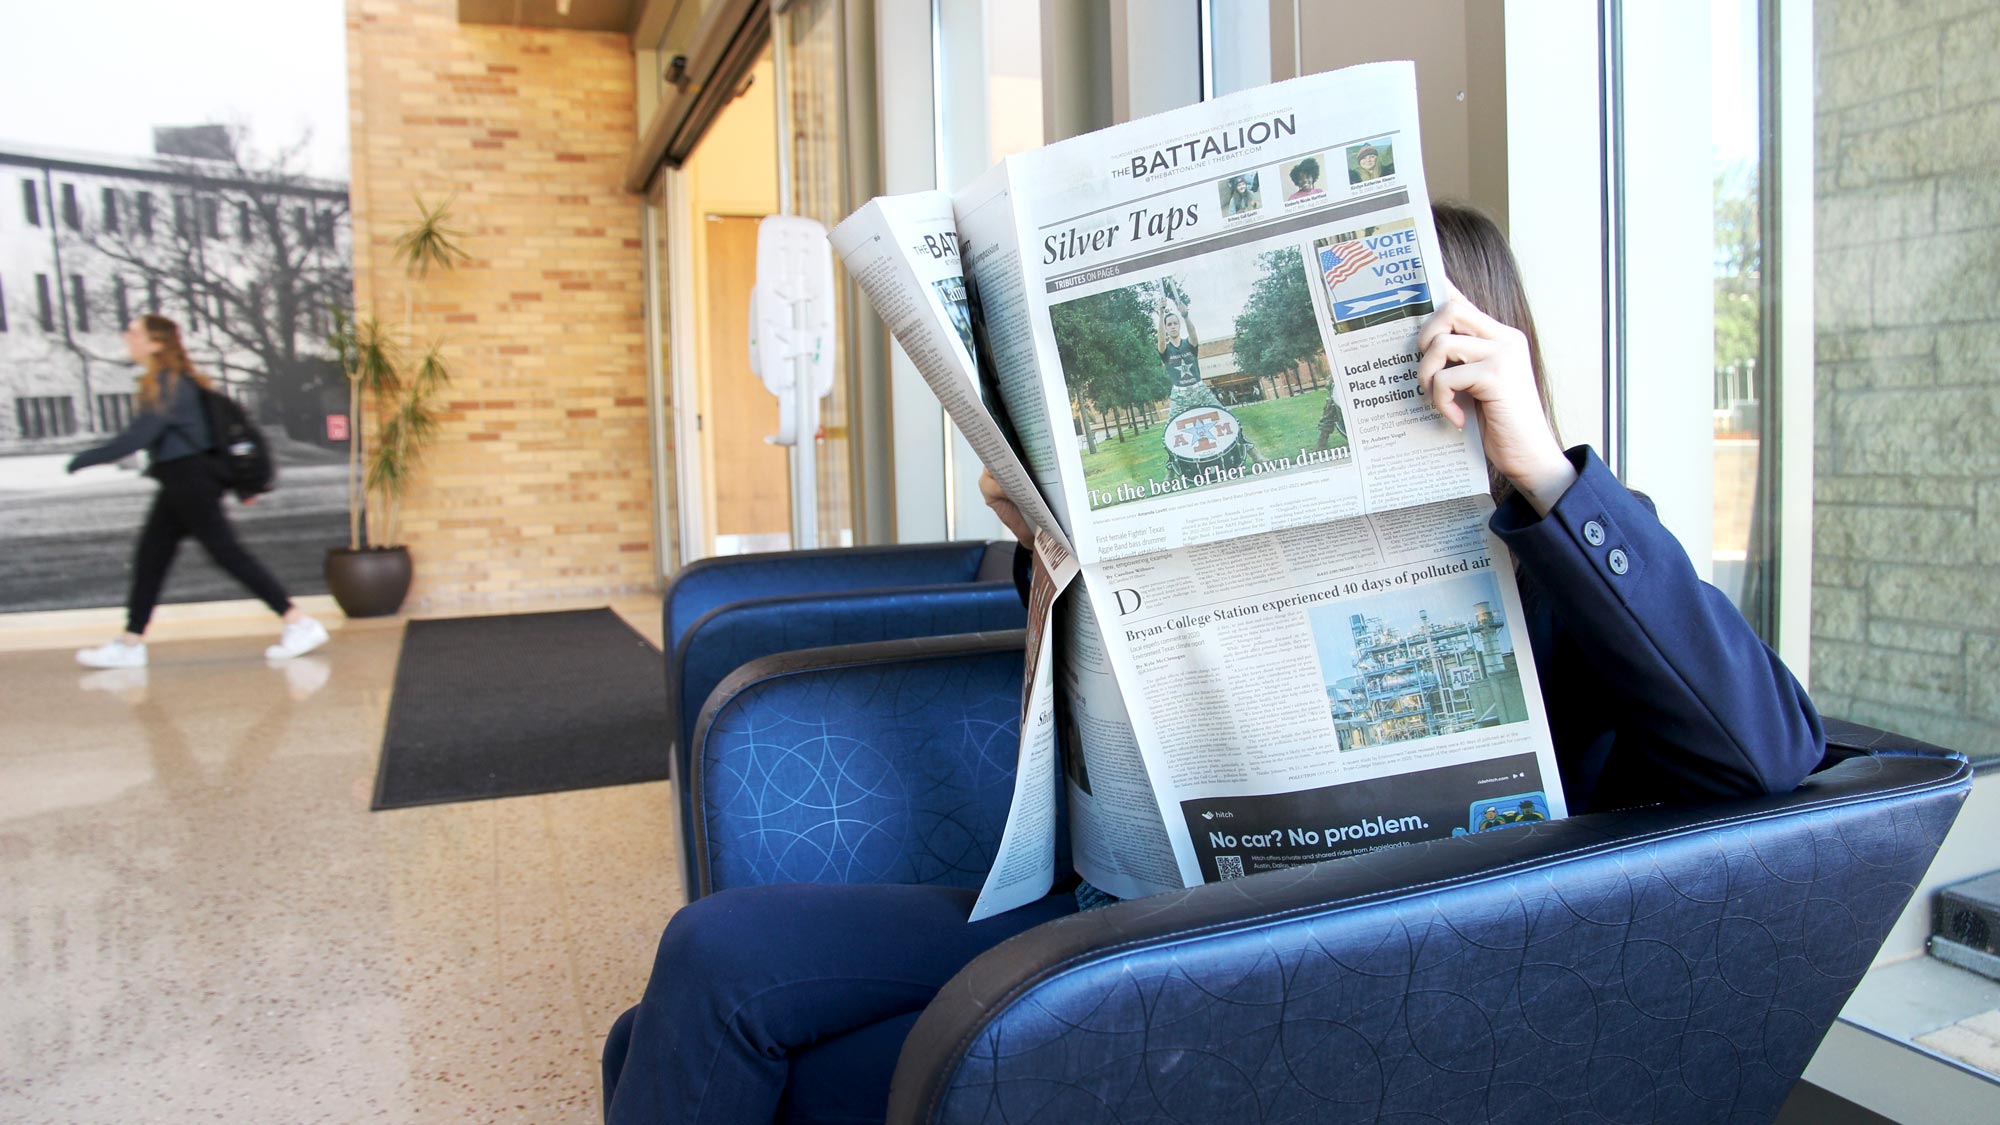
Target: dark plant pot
[371, 582]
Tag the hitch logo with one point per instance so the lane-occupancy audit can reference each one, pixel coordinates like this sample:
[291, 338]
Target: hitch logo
[1201, 434]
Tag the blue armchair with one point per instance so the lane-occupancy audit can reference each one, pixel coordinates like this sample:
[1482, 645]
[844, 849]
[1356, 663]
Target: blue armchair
[724, 612]
[1658, 964]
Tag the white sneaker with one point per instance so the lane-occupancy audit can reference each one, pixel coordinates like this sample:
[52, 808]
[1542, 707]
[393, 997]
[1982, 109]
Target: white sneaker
[113, 654]
[299, 638]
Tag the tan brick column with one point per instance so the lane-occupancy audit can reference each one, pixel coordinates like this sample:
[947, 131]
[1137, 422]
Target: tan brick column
[539, 485]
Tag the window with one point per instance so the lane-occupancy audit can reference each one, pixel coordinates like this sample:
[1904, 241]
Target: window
[81, 315]
[31, 203]
[153, 295]
[242, 221]
[211, 217]
[3, 309]
[120, 301]
[71, 213]
[45, 308]
[114, 412]
[325, 229]
[111, 209]
[45, 416]
[145, 207]
[193, 305]
[303, 225]
[183, 217]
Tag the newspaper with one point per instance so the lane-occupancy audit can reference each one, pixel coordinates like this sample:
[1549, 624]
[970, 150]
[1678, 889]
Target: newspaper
[1186, 348]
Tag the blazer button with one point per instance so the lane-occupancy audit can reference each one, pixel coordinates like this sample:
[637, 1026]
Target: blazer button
[1618, 562]
[1593, 533]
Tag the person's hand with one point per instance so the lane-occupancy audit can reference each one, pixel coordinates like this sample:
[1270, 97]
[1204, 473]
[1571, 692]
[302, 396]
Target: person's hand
[996, 499]
[1489, 361]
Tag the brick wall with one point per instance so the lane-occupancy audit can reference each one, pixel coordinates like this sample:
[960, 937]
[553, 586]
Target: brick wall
[1906, 553]
[540, 483]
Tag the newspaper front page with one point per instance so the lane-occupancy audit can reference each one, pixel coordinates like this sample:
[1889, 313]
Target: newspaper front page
[1195, 336]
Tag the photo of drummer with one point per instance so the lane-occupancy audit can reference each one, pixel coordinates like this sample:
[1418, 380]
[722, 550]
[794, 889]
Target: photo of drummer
[1195, 378]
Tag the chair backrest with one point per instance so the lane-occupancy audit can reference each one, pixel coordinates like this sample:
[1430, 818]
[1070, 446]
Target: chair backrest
[706, 584]
[736, 634]
[1660, 965]
[797, 782]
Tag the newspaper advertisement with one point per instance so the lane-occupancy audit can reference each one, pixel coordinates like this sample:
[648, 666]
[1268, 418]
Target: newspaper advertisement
[1193, 340]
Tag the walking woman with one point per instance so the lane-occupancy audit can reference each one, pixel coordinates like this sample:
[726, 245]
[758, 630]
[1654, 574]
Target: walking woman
[172, 427]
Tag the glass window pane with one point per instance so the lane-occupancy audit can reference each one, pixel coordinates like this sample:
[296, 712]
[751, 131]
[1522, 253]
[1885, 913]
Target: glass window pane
[1743, 553]
[813, 84]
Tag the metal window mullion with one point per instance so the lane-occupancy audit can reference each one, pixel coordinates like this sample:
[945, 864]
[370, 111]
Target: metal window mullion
[1611, 100]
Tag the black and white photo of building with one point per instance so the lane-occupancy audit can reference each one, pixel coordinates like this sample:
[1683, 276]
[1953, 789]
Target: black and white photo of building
[251, 256]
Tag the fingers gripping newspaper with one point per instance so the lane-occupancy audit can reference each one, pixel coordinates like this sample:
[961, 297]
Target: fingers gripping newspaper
[1186, 348]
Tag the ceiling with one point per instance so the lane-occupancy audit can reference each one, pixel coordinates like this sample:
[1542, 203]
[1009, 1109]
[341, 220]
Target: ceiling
[584, 15]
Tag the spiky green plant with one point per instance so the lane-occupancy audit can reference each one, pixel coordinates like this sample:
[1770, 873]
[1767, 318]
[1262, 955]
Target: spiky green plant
[368, 355]
[400, 402]
[430, 241]
[403, 433]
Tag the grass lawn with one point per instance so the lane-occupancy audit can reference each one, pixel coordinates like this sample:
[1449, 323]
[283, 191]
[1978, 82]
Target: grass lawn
[1279, 427]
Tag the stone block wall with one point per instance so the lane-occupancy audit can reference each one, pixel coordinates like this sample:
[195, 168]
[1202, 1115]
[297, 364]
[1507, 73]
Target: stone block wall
[1906, 552]
[540, 483]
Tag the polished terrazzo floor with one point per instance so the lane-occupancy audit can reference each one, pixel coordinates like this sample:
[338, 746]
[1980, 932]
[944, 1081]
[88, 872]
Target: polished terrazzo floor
[200, 920]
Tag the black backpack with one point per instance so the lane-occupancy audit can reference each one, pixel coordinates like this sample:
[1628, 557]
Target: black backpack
[240, 454]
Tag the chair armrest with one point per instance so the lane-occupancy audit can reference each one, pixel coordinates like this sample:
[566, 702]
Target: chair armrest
[707, 583]
[1663, 963]
[890, 762]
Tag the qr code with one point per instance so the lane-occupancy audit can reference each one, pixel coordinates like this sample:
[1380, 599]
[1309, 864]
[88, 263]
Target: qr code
[1229, 867]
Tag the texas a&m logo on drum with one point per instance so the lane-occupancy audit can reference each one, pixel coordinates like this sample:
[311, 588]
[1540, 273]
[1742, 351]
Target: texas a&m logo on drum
[1201, 434]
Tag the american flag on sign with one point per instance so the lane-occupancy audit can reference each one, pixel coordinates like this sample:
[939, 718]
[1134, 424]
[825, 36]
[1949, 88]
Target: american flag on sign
[1344, 259]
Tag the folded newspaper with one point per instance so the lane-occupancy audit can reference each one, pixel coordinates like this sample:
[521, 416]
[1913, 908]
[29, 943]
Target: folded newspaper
[1186, 348]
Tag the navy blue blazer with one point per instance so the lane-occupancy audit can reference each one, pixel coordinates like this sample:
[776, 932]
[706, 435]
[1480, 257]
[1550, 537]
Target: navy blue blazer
[1657, 689]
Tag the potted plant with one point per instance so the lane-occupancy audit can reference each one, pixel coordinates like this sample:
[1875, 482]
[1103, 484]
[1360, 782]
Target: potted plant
[393, 406]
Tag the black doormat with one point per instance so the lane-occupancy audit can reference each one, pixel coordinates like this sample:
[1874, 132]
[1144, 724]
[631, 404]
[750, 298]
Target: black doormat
[529, 703]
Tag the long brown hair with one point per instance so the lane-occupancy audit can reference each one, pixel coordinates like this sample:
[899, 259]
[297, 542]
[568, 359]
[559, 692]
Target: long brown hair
[165, 365]
[1479, 261]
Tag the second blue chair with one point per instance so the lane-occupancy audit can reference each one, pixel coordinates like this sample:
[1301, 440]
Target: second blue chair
[725, 612]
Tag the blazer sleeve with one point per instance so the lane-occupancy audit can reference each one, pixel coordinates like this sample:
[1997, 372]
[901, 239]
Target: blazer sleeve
[1716, 711]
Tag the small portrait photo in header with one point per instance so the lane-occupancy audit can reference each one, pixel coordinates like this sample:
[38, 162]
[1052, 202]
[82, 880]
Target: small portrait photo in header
[1304, 177]
[1240, 194]
[1372, 160]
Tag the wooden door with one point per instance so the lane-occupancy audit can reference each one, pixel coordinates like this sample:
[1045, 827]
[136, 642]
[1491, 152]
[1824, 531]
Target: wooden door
[751, 479]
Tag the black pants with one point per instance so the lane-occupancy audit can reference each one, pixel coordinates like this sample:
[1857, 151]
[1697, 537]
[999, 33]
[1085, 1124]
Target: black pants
[190, 503]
